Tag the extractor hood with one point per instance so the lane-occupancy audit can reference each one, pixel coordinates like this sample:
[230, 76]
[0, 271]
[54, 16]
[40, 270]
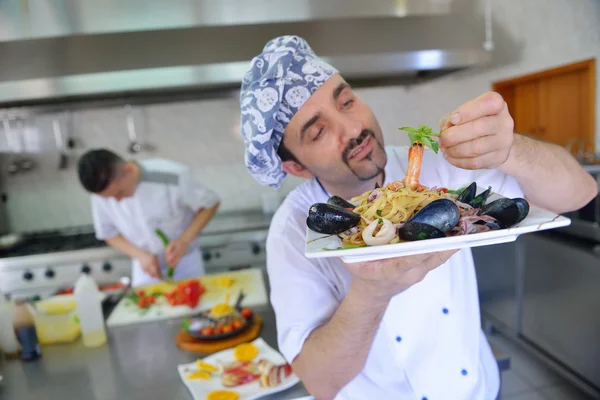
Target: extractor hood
[68, 49]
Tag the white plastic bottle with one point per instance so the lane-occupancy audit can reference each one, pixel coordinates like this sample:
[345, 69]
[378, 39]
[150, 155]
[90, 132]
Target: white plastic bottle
[89, 311]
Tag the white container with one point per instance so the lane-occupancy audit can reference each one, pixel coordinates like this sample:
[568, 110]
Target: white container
[89, 311]
[8, 338]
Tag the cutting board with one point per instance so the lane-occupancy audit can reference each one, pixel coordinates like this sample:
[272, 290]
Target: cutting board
[250, 281]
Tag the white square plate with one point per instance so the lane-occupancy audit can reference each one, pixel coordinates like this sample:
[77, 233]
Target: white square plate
[199, 388]
[537, 220]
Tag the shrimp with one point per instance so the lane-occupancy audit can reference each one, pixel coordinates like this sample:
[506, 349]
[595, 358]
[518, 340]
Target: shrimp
[419, 139]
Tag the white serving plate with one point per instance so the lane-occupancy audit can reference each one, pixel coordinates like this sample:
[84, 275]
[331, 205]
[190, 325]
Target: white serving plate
[199, 388]
[537, 220]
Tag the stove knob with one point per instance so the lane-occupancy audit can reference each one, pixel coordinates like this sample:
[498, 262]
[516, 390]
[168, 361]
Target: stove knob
[49, 273]
[86, 269]
[206, 256]
[217, 255]
[255, 249]
[28, 276]
[107, 267]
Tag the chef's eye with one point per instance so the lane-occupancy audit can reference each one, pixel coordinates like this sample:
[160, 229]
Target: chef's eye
[318, 135]
[347, 103]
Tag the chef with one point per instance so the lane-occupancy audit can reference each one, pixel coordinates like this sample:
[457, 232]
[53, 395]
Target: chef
[132, 199]
[401, 328]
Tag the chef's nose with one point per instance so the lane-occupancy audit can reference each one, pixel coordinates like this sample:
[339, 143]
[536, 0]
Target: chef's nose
[350, 128]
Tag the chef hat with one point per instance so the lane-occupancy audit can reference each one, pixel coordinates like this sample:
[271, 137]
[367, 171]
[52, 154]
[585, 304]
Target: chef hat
[279, 81]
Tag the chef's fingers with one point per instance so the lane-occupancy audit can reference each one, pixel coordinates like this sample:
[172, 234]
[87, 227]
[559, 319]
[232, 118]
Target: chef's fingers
[490, 103]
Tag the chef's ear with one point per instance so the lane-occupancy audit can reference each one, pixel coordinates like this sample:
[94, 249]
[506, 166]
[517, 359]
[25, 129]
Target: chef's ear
[128, 167]
[296, 169]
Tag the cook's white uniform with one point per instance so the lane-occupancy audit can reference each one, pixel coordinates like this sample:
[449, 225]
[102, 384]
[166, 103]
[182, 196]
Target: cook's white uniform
[429, 344]
[167, 198]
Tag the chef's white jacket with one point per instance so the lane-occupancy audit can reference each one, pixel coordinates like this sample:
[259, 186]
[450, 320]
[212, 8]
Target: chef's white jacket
[430, 345]
[167, 198]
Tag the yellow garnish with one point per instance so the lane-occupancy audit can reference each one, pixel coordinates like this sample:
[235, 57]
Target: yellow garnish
[204, 366]
[245, 352]
[222, 309]
[224, 281]
[223, 395]
[199, 375]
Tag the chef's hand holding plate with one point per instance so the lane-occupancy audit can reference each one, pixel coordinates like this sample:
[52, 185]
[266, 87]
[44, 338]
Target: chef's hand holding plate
[151, 265]
[175, 250]
[383, 279]
[478, 134]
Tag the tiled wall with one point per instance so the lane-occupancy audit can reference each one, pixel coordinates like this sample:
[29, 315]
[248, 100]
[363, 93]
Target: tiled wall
[203, 133]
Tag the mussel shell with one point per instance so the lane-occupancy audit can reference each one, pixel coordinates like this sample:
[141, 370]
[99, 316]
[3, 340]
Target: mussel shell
[468, 194]
[504, 210]
[479, 200]
[442, 214]
[338, 201]
[330, 219]
[523, 206]
[412, 231]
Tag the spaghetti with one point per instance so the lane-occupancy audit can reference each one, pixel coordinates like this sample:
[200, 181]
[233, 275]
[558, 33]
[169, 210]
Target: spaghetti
[396, 206]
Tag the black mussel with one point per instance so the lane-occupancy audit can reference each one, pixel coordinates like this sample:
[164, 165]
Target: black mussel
[330, 219]
[479, 200]
[338, 201]
[442, 214]
[503, 210]
[412, 231]
[468, 194]
[523, 206]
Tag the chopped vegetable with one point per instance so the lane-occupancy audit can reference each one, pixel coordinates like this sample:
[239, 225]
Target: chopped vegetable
[208, 331]
[165, 240]
[237, 323]
[186, 293]
[141, 299]
[245, 352]
[246, 312]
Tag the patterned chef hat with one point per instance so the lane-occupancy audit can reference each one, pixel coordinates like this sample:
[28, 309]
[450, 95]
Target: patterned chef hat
[279, 81]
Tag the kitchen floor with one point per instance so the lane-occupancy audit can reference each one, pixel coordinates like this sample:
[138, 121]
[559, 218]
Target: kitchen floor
[528, 379]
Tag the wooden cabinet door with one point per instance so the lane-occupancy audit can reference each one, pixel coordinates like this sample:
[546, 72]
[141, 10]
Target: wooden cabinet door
[562, 107]
[556, 105]
[526, 108]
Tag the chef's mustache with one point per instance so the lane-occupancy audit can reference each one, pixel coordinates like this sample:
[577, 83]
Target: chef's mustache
[354, 143]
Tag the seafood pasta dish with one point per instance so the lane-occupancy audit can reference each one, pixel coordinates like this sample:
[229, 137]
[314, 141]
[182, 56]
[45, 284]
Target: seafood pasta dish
[407, 211]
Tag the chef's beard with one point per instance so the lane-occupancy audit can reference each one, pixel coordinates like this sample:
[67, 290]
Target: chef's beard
[374, 169]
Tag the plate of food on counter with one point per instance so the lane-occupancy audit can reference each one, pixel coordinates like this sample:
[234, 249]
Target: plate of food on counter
[405, 218]
[246, 372]
[221, 321]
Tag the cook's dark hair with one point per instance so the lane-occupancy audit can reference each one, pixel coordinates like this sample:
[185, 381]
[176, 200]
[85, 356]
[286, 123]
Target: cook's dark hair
[97, 168]
[285, 154]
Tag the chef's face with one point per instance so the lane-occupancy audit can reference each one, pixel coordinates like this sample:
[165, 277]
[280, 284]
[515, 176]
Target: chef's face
[123, 183]
[335, 137]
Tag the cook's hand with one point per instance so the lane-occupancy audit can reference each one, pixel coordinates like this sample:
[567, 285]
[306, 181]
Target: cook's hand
[175, 250]
[386, 278]
[479, 134]
[151, 265]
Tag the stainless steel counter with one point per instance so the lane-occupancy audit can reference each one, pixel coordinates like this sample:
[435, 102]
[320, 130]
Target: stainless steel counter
[138, 362]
